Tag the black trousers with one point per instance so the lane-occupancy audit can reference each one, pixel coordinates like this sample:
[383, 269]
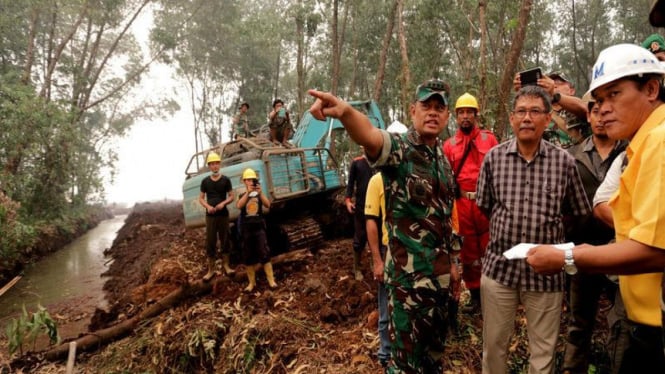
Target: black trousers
[645, 350]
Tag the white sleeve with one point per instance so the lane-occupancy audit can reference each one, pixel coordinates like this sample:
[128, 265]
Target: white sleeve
[610, 184]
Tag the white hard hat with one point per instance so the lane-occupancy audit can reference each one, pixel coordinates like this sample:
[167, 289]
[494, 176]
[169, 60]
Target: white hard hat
[397, 127]
[623, 60]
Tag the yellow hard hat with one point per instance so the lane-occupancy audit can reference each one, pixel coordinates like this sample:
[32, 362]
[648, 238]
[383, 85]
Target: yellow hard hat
[467, 101]
[249, 174]
[213, 157]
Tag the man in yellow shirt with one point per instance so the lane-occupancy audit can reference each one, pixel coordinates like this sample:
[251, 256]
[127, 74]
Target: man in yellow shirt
[627, 85]
[377, 240]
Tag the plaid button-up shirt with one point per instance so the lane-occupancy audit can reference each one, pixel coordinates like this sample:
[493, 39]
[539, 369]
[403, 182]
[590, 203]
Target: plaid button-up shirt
[527, 202]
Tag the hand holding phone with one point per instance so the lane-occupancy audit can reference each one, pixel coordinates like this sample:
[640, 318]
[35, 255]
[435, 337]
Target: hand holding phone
[530, 77]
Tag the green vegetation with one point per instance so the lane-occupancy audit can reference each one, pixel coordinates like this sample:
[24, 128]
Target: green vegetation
[28, 327]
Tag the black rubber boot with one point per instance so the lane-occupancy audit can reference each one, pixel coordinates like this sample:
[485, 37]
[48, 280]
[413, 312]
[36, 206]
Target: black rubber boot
[473, 307]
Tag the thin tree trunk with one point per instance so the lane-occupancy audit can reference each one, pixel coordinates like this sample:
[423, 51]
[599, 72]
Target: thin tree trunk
[85, 104]
[279, 62]
[335, 48]
[482, 75]
[354, 73]
[511, 63]
[54, 59]
[406, 71]
[351, 94]
[300, 68]
[30, 51]
[383, 58]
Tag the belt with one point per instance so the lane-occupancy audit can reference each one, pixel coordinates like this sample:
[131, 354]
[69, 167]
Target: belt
[467, 194]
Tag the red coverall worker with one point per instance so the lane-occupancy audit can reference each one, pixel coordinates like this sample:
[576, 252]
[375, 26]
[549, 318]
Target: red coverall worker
[473, 224]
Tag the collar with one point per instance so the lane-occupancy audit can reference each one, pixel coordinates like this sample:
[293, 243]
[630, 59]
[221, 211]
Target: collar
[655, 119]
[461, 135]
[588, 145]
[414, 138]
[512, 148]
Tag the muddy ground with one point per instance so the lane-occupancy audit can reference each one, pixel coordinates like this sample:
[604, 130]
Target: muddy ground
[318, 320]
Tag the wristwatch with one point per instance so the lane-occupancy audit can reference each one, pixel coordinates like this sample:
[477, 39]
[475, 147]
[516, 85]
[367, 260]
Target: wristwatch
[556, 98]
[569, 262]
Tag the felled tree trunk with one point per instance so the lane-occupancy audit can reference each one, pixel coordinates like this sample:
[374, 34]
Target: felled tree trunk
[97, 339]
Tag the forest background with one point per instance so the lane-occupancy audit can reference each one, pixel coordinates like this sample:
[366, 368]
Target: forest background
[70, 75]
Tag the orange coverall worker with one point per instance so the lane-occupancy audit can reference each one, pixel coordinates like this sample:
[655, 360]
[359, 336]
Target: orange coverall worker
[473, 225]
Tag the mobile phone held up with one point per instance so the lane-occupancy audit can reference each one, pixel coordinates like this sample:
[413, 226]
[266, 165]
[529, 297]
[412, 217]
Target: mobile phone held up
[255, 182]
[530, 77]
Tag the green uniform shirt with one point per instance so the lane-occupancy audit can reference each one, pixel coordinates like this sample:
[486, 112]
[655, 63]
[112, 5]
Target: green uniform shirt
[418, 185]
[242, 124]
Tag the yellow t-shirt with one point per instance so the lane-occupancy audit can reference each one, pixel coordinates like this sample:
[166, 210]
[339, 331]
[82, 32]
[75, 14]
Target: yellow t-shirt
[639, 214]
[375, 204]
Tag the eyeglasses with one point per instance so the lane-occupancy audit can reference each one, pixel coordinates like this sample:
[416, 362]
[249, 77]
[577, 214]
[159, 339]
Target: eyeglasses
[533, 113]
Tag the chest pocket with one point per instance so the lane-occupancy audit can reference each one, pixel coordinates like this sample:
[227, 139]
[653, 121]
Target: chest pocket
[419, 181]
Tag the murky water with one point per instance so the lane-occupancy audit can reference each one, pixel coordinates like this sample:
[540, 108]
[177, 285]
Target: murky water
[70, 274]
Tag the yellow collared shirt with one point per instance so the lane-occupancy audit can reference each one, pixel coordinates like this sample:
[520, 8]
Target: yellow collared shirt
[639, 214]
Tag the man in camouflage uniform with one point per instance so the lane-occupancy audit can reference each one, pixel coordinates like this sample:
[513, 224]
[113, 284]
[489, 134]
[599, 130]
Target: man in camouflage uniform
[419, 193]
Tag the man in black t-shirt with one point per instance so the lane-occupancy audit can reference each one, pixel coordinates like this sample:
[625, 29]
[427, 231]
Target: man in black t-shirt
[216, 194]
[359, 174]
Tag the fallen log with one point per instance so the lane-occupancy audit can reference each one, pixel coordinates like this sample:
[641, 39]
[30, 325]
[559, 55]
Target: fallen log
[96, 339]
[9, 285]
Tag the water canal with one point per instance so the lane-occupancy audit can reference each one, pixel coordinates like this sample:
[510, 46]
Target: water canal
[70, 275]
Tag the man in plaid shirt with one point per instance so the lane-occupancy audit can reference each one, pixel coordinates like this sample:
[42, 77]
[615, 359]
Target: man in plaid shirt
[526, 186]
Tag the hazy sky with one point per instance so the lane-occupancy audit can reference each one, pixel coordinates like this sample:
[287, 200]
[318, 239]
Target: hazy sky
[154, 155]
[152, 160]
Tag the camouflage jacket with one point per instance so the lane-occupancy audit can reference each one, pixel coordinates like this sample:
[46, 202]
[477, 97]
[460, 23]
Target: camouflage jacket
[241, 123]
[419, 184]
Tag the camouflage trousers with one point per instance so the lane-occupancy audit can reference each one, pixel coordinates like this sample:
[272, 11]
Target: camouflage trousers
[418, 327]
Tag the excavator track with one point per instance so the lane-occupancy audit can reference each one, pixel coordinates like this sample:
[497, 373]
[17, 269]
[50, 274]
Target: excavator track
[303, 233]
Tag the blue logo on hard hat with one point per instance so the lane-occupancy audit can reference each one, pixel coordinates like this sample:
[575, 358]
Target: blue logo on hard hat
[598, 71]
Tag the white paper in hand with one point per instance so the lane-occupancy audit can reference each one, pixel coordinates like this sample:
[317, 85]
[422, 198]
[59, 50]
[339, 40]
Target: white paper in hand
[519, 251]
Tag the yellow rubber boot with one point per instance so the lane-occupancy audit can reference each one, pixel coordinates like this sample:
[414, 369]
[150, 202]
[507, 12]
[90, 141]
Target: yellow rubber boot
[251, 277]
[211, 269]
[226, 261]
[267, 268]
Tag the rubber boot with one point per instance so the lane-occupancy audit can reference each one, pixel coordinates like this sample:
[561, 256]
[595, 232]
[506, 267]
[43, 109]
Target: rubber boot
[473, 307]
[357, 273]
[251, 277]
[226, 260]
[211, 269]
[267, 268]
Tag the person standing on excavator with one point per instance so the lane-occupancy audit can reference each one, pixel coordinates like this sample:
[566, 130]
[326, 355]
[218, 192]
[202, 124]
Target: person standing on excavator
[421, 272]
[279, 123]
[216, 194]
[465, 152]
[241, 123]
[255, 250]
